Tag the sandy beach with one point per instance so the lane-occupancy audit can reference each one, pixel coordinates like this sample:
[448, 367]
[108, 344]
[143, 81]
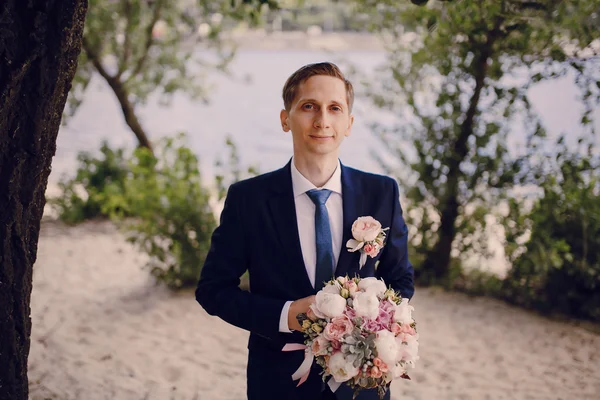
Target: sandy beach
[103, 330]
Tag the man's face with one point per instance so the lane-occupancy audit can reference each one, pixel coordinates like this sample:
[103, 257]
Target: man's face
[319, 116]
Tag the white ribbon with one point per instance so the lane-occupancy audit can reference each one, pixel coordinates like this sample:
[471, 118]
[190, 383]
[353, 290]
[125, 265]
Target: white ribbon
[354, 245]
[363, 260]
[333, 384]
[304, 369]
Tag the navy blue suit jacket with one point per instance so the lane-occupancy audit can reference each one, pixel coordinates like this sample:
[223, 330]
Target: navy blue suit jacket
[258, 232]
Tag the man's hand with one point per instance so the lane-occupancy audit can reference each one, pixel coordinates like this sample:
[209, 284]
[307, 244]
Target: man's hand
[298, 307]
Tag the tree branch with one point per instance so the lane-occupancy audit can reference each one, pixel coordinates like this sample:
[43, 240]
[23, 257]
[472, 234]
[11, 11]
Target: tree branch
[96, 62]
[120, 90]
[149, 39]
[514, 27]
[533, 5]
[480, 74]
[127, 41]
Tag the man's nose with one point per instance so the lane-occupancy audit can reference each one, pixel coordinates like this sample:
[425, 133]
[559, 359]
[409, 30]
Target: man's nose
[322, 120]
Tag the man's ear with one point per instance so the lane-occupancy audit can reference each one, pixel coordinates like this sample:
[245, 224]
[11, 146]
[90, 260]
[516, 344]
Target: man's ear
[350, 122]
[283, 116]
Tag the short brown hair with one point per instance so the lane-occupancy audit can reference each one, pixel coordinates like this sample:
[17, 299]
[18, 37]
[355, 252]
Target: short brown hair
[290, 89]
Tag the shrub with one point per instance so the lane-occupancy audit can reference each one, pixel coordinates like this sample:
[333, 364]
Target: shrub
[558, 268]
[160, 201]
[91, 193]
[173, 219]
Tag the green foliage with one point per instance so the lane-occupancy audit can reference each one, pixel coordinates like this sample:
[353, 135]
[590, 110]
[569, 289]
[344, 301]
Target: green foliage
[144, 47]
[478, 283]
[557, 269]
[159, 201]
[173, 217]
[94, 189]
[457, 75]
[128, 32]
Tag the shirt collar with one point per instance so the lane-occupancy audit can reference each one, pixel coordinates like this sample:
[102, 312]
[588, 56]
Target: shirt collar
[302, 185]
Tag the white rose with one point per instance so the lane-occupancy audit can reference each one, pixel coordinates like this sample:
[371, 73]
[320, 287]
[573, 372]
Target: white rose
[409, 351]
[372, 285]
[366, 229]
[387, 347]
[341, 369]
[316, 311]
[403, 313]
[329, 304]
[366, 305]
[333, 289]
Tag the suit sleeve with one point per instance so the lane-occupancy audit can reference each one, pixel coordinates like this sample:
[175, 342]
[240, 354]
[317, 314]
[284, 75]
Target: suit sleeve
[394, 266]
[218, 289]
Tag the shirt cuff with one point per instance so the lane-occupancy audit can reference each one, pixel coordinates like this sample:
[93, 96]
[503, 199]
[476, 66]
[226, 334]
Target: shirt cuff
[283, 319]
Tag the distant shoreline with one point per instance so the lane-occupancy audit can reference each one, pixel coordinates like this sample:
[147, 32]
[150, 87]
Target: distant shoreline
[299, 40]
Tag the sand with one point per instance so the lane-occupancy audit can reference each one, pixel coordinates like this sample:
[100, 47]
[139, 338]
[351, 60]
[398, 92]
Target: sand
[103, 330]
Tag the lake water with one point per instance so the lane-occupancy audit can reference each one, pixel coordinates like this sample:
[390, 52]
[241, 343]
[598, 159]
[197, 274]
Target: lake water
[248, 111]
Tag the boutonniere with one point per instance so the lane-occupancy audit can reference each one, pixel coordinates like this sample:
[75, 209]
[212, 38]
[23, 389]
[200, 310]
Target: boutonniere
[369, 238]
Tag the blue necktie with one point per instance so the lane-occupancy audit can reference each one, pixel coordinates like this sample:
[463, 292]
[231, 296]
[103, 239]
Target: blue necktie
[324, 267]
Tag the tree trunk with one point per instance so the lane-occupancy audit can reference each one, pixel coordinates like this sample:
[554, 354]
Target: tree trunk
[120, 91]
[39, 45]
[437, 262]
[128, 112]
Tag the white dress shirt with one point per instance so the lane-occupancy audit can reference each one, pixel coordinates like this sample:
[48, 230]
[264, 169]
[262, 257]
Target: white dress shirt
[305, 215]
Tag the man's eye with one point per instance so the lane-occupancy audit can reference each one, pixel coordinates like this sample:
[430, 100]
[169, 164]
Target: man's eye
[336, 108]
[308, 106]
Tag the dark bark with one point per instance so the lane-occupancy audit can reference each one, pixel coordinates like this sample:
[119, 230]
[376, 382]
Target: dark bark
[39, 45]
[437, 262]
[118, 88]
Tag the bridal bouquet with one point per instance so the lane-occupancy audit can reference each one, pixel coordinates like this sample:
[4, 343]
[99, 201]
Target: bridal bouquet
[360, 332]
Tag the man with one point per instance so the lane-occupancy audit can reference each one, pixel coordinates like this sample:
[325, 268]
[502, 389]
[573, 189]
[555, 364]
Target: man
[289, 227]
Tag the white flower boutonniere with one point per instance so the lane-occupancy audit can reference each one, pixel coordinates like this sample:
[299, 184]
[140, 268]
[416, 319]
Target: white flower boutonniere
[369, 238]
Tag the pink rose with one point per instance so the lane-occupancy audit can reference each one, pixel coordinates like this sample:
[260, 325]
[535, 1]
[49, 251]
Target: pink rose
[371, 250]
[350, 312]
[376, 372]
[319, 346]
[380, 364]
[383, 367]
[396, 329]
[405, 337]
[338, 328]
[408, 329]
[366, 229]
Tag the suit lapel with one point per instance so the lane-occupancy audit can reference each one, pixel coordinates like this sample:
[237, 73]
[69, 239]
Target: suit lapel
[283, 213]
[353, 200]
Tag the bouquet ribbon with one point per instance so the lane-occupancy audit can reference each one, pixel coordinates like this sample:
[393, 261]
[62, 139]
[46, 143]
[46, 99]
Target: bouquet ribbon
[304, 370]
